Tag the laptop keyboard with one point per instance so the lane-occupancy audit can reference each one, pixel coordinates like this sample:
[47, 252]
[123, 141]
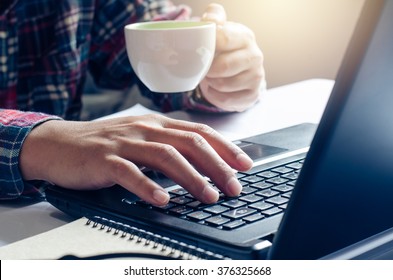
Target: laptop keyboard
[265, 194]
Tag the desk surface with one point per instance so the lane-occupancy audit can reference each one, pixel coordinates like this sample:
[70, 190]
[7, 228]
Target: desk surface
[281, 107]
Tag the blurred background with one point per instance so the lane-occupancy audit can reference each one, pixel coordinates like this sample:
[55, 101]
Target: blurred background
[300, 39]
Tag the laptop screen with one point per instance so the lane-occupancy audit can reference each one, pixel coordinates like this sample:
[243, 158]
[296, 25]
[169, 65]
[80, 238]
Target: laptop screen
[345, 190]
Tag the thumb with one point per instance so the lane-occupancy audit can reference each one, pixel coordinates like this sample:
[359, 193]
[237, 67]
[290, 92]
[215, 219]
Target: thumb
[215, 13]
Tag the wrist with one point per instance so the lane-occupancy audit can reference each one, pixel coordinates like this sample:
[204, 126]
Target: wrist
[34, 156]
[197, 101]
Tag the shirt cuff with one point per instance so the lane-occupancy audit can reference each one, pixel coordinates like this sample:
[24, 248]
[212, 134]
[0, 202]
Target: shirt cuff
[14, 128]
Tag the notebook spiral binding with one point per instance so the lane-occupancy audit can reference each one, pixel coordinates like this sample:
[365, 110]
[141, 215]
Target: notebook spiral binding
[164, 244]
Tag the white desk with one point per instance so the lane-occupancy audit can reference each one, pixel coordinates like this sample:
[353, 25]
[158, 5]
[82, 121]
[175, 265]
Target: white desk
[281, 107]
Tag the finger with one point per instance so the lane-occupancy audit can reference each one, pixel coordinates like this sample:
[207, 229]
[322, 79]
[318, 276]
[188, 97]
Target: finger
[215, 13]
[232, 36]
[128, 175]
[203, 157]
[228, 151]
[245, 81]
[230, 101]
[231, 63]
[168, 160]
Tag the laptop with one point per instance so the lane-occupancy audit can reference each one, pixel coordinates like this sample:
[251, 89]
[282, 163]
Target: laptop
[312, 191]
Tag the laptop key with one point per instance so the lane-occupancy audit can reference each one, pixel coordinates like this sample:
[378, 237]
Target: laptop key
[253, 218]
[243, 183]
[217, 220]
[267, 193]
[261, 206]
[180, 210]
[277, 180]
[277, 200]
[234, 203]
[233, 224]
[248, 190]
[295, 165]
[282, 188]
[282, 170]
[291, 176]
[238, 213]
[216, 209]
[251, 198]
[198, 215]
[272, 211]
[181, 200]
[292, 183]
[267, 174]
[262, 185]
[178, 191]
[251, 179]
[196, 204]
[287, 195]
[283, 206]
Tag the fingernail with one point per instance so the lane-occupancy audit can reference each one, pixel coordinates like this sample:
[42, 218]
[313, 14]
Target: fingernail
[209, 194]
[161, 197]
[244, 160]
[233, 187]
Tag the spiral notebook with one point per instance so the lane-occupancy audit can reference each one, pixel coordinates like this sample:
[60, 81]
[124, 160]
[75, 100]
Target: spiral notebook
[342, 195]
[100, 239]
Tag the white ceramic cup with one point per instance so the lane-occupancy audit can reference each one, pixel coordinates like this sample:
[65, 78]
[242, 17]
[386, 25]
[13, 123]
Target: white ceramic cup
[171, 56]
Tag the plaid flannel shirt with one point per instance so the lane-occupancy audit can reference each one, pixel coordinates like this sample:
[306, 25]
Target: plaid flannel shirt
[46, 49]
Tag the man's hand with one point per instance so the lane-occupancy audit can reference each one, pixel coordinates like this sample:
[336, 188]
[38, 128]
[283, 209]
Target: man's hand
[99, 154]
[234, 80]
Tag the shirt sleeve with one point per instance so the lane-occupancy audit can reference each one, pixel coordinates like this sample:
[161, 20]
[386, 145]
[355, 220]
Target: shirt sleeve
[14, 128]
[108, 60]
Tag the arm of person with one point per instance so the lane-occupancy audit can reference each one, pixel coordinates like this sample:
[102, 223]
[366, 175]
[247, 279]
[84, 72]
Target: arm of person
[37, 154]
[99, 154]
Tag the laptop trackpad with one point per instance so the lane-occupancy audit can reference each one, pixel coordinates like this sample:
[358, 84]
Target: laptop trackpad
[259, 151]
[278, 141]
[291, 138]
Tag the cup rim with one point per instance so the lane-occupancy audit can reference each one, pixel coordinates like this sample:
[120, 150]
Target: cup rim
[169, 25]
